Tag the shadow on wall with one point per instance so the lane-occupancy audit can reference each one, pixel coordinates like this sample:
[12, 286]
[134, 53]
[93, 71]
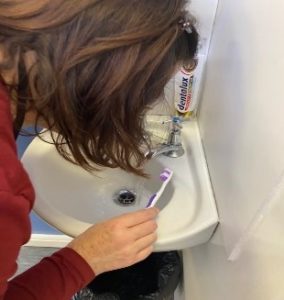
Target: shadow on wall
[38, 225]
[224, 119]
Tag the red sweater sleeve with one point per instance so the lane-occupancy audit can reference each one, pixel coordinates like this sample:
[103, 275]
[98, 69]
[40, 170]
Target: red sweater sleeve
[57, 277]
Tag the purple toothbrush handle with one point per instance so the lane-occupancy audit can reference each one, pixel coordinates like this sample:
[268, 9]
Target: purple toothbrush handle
[151, 200]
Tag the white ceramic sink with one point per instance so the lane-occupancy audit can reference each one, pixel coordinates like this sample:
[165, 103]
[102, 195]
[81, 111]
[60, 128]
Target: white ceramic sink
[71, 199]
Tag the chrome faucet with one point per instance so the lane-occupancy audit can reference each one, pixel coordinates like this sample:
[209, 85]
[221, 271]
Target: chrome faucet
[173, 147]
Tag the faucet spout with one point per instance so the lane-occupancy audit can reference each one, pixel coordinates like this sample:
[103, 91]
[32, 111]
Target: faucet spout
[164, 149]
[173, 148]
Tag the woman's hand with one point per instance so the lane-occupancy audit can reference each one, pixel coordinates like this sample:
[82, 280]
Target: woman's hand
[119, 242]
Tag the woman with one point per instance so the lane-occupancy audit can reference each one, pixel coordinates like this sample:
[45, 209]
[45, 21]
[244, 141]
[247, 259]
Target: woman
[88, 70]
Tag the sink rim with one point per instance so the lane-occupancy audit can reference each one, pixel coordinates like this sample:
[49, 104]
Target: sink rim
[178, 240]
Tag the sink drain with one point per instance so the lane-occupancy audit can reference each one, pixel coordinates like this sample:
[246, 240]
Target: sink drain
[125, 197]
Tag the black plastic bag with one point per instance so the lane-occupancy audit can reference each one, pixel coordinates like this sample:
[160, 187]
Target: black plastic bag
[155, 278]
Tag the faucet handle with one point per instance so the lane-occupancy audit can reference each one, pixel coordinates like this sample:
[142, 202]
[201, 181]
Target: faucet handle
[174, 119]
[177, 121]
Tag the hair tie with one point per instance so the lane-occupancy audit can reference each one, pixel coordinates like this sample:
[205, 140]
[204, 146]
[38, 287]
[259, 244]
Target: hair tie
[185, 25]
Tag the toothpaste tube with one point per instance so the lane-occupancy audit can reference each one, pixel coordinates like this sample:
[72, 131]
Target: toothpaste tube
[187, 86]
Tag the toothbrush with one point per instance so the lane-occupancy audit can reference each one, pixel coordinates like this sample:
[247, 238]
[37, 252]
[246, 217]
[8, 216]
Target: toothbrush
[165, 177]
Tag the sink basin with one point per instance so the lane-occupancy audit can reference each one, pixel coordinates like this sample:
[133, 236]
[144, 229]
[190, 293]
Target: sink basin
[72, 199]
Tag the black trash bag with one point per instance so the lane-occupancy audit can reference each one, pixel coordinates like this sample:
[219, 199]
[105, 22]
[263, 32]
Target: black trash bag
[155, 278]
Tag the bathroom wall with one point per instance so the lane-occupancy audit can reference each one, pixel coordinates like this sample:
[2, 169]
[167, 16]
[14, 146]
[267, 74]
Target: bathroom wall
[241, 122]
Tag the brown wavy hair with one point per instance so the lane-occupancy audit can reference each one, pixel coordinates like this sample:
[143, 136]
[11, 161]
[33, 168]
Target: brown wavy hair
[100, 65]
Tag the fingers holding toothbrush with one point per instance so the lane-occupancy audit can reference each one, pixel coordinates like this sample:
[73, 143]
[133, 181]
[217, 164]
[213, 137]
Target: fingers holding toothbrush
[119, 242]
[139, 217]
[144, 229]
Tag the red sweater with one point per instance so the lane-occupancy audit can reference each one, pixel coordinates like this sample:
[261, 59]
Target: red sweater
[57, 277]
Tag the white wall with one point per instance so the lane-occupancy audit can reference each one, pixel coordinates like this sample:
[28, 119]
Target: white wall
[242, 125]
